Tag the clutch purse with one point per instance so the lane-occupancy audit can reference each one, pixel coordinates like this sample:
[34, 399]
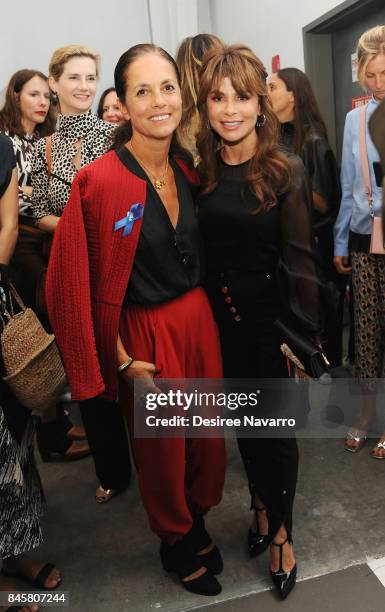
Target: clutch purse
[306, 357]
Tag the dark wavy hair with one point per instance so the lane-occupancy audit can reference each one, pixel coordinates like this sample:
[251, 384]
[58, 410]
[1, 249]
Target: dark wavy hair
[124, 132]
[307, 115]
[10, 115]
[101, 101]
[270, 171]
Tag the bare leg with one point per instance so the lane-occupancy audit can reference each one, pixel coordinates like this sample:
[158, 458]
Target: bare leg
[260, 517]
[362, 425]
[288, 559]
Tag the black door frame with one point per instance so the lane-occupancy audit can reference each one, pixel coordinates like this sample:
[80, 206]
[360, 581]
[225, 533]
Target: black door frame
[317, 42]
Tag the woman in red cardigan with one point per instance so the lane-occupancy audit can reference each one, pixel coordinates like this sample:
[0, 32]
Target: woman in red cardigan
[125, 301]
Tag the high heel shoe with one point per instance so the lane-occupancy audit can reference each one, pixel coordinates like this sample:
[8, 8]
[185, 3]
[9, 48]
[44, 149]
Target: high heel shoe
[199, 540]
[180, 558]
[256, 542]
[283, 581]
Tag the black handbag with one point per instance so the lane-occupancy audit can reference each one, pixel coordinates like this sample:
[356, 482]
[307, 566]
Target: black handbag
[307, 357]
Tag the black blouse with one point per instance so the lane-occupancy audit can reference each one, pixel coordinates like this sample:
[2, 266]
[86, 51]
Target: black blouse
[261, 256]
[168, 261]
[321, 167]
[7, 163]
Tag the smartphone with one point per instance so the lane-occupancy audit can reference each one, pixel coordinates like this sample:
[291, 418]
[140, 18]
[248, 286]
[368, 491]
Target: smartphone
[378, 173]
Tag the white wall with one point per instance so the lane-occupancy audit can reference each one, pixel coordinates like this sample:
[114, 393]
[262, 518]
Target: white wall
[268, 26]
[171, 21]
[31, 30]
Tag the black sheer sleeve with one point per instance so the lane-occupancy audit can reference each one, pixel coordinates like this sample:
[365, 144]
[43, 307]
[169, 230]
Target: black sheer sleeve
[321, 166]
[300, 282]
[7, 163]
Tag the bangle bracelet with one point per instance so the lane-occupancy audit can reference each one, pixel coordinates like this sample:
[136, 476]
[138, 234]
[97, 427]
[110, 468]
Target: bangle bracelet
[125, 365]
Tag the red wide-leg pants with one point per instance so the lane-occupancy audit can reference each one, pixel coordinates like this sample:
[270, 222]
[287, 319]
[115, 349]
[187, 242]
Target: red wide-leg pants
[177, 476]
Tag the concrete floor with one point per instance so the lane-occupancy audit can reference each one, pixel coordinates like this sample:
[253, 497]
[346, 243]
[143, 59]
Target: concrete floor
[355, 589]
[109, 557]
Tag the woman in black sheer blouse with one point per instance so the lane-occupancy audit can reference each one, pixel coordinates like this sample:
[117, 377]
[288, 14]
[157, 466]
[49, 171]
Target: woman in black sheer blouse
[254, 217]
[303, 132]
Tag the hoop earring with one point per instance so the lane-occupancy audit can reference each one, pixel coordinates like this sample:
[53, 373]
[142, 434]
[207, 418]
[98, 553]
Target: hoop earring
[261, 120]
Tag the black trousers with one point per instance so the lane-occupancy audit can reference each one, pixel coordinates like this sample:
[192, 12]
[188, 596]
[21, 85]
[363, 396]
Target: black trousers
[106, 432]
[251, 349]
[29, 263]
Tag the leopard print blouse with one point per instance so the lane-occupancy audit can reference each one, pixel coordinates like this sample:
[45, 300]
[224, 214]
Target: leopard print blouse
[50, 195]
[23, 147]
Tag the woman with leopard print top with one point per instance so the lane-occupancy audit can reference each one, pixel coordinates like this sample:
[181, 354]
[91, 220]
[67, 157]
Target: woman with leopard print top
[80, 139]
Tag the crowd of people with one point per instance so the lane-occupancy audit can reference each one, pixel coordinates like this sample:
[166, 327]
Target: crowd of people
[163, 238]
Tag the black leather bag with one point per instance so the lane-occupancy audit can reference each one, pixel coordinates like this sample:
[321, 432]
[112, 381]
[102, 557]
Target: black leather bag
[305, 355]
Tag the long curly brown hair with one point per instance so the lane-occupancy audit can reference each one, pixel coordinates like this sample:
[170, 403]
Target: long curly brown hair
[270, 171]
[10, 115]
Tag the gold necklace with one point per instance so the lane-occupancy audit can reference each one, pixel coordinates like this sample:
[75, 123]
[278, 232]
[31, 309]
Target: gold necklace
[157, 182]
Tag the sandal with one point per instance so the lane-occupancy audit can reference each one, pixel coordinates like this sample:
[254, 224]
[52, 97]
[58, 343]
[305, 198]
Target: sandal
[102, 496]
[359, 438]
[378, 445]
[39, 581]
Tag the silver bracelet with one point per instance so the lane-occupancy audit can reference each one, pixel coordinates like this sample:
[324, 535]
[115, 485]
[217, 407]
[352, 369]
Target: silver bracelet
[125, 365]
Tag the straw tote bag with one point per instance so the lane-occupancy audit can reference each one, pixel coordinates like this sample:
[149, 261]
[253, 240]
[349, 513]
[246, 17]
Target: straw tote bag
[33, 367]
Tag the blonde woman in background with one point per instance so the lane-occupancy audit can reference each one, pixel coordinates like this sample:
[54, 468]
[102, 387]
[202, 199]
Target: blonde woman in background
[189, 60]
[80, 139]
[352, 235]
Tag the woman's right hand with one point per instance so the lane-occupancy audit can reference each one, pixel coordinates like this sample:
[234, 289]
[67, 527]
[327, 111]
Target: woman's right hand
[341, 263]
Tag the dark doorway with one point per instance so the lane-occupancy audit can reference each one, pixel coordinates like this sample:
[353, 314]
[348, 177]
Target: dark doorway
[328, 44]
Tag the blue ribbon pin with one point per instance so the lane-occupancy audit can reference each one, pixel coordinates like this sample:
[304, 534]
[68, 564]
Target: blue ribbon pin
[135, 213]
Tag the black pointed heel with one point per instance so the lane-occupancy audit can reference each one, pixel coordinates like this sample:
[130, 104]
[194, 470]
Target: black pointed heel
[283, 581]
[180, 558]
[256, 542]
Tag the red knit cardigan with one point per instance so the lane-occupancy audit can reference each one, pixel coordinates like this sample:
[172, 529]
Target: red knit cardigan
[89, 269]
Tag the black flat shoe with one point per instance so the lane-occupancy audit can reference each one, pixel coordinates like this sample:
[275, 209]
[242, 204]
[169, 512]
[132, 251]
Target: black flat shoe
[199, 540]
[180, 558]
[256, 542]
[283, 581]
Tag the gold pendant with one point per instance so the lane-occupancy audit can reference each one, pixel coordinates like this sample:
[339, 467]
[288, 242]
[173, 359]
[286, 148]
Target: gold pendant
[159, 183]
